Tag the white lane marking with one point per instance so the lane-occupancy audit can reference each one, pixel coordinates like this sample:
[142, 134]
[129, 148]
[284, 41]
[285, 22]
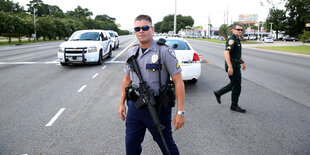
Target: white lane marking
[104, 67]
[115, 62]
[122, 51]
[50, 123]
[81, 89]
[95, 75]
[27, 63]
[20, 57]
[17, 63]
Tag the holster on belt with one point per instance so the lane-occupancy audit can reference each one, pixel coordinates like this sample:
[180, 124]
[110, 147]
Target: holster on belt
[131, 94]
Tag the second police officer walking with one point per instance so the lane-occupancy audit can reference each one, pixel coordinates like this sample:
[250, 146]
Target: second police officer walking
[233, 61]
[138, 120]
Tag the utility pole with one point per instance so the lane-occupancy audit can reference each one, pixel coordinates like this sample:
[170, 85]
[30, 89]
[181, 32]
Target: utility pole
[34, 22]
[258, 31]
[175, 19]
[271, 30]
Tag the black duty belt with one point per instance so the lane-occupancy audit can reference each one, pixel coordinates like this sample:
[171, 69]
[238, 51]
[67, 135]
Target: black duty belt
[236, 60]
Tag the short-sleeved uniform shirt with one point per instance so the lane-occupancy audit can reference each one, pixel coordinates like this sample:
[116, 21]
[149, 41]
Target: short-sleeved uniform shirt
[233, 45]
[149, 67]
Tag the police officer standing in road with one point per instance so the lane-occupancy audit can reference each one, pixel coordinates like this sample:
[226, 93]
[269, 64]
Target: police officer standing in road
[233, 61]
[147, 56]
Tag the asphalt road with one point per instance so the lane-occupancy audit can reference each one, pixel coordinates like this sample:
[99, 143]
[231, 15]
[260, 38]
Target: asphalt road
[46, 108]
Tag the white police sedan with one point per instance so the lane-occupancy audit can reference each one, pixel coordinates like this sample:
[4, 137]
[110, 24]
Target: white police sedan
[188, 58]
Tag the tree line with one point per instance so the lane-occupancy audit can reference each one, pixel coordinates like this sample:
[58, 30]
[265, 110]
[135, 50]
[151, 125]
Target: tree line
[51, 21]
[168, 23]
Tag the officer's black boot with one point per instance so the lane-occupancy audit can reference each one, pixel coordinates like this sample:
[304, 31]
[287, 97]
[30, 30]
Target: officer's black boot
[218, 97]
[237, 109]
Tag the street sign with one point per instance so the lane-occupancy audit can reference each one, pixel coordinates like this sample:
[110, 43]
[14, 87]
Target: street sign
[248, 18]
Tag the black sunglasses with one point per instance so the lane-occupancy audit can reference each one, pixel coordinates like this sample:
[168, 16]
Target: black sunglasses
[144, 28]
[239, 29]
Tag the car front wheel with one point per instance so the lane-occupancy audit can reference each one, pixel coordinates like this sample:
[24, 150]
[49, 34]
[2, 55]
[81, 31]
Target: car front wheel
[100, 59]
[110, 53]
[63, 64]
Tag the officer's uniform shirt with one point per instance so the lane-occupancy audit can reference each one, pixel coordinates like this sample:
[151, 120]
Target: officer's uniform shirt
[234, 46]
[149, 67]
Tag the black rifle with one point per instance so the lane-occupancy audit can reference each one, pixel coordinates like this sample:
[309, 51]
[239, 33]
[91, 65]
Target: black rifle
[147, 98]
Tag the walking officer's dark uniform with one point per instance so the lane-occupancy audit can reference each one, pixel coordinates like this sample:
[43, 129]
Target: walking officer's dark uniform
[139, 119]
[234, 46]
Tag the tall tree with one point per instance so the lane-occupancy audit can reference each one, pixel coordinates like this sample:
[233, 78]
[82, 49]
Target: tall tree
[298, 15]
[277, 18]
[79, 13]
[168, 23]
[224, 30]
[10, 6]
[44, 9]
[105, 18]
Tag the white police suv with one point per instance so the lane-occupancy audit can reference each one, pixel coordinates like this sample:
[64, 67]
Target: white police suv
[85, 46]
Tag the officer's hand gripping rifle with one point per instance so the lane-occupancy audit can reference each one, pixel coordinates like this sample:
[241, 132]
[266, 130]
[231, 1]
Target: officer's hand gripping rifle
[147, 98]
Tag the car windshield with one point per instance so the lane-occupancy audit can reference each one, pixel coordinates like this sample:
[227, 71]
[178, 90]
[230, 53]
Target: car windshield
[85, 36]
[181, 45]
[111, 34]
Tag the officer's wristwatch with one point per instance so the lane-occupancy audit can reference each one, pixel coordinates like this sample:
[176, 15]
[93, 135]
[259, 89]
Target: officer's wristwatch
[182, 113]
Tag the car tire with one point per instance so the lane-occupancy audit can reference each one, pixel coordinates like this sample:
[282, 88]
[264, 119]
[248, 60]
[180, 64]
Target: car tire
[193, 81]
[100, 59]
[117, 45]
[63, 64]
[110, 53]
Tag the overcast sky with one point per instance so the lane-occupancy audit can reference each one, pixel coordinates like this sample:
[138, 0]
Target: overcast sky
[126, 10]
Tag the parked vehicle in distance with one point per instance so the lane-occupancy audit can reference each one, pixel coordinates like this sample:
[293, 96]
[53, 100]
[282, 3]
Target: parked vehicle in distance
[85, 46]
[245, 38]
[188, 58]
[268, 40]
[290, 39]
[252, 37]
[114, 37]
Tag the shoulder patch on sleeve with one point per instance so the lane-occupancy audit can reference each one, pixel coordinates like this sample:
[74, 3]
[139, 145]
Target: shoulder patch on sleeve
[172, 52]
[178, 65]
[231, 41]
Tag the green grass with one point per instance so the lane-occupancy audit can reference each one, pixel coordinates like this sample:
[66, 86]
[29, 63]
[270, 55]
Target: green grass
[14, 42]
[294, 49]
[223, 41]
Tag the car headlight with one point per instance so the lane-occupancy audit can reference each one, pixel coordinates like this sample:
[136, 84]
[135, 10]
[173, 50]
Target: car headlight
[92, 49]
[61, 49]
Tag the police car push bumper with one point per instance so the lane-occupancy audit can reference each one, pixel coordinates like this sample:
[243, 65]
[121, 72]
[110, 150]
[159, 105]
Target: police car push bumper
[78, 58]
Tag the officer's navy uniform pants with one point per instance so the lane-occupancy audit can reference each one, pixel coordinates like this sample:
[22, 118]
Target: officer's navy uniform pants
[137, 120]
[234, 86]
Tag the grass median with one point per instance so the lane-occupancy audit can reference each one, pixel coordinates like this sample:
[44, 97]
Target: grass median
[294, 49]
[223, 41]
[16, 42]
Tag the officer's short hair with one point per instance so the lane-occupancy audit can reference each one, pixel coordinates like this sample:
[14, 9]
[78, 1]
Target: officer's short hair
[237, 24]
[144, 17]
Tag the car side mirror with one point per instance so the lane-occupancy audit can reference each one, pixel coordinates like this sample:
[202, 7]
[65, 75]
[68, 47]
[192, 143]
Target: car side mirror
[175, 46]
[66, 39]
